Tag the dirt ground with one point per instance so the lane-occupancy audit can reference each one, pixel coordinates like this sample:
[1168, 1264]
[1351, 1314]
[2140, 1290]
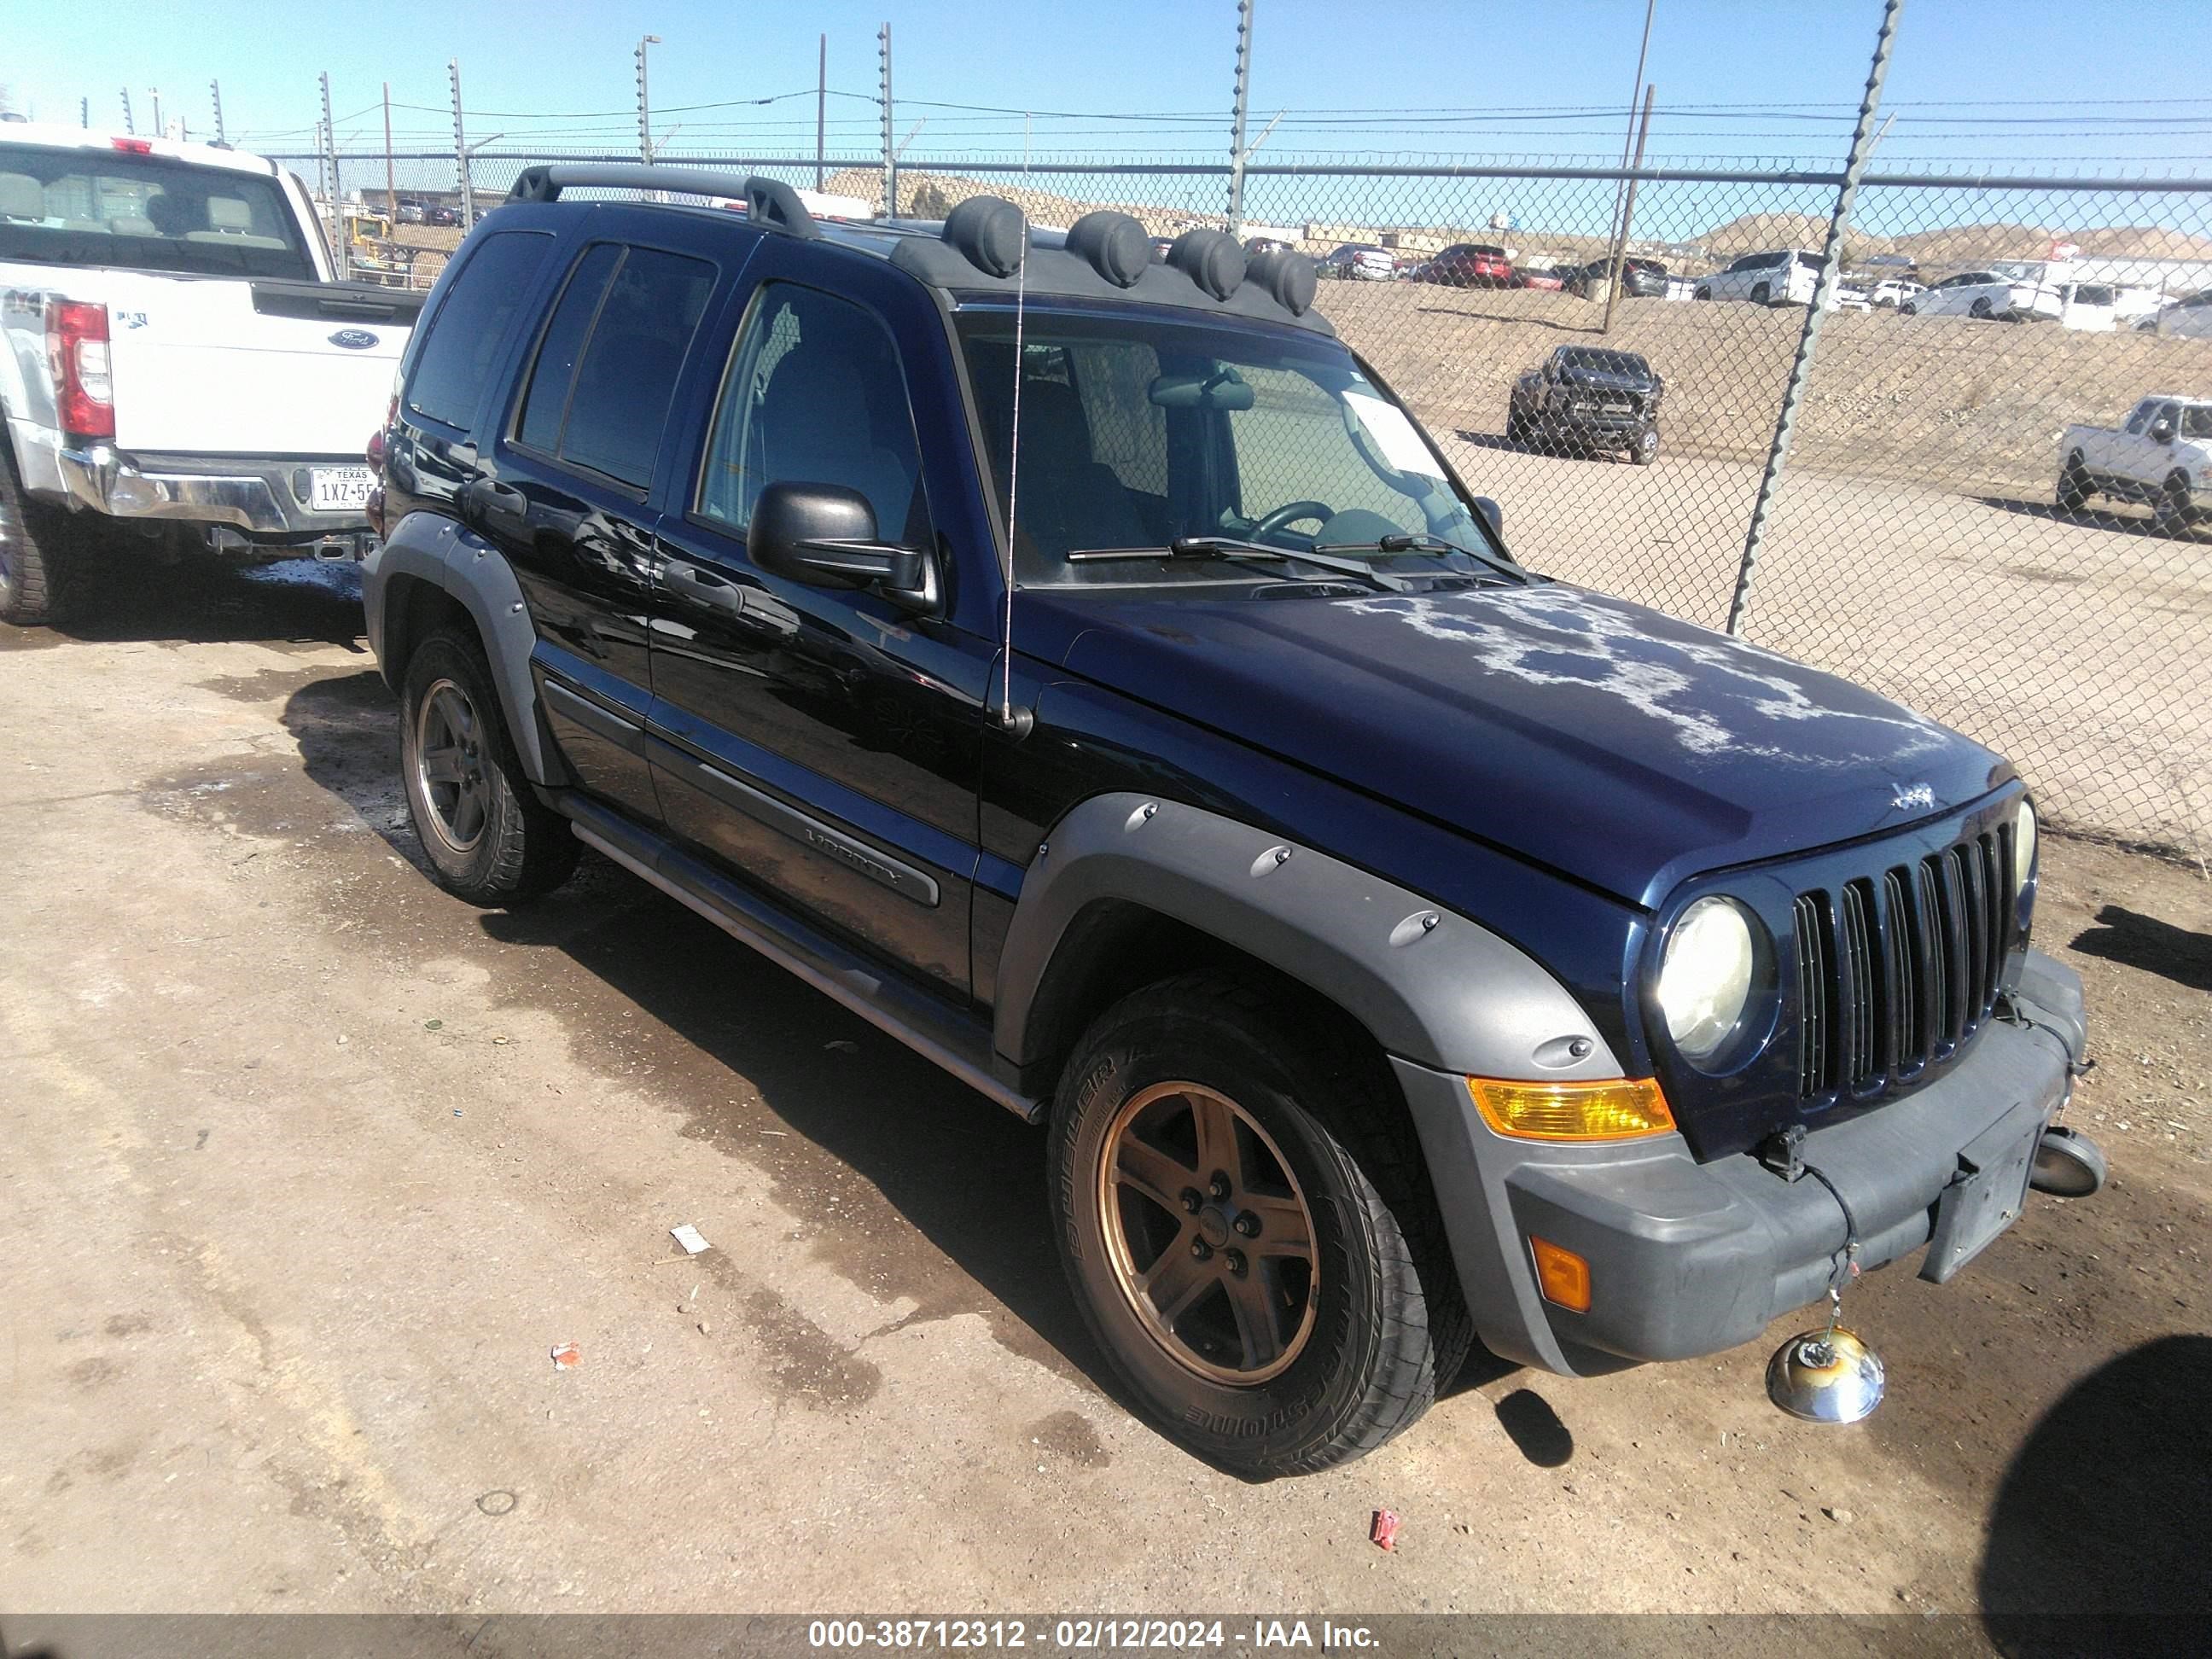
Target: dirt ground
[310, 1167]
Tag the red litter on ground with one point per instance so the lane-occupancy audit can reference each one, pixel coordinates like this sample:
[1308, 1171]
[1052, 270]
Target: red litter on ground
[568, 1357]
[1383, 1535]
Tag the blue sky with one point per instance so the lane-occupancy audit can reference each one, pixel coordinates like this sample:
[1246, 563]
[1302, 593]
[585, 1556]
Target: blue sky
[2004, 82]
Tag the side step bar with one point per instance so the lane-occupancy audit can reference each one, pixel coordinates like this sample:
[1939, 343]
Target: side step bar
[954, 1039]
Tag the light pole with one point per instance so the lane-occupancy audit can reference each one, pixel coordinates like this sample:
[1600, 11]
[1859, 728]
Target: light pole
[644, 102]
[468, 183]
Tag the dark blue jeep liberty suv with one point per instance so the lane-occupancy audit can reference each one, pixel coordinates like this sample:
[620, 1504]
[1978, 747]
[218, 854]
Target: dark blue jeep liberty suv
[1083, 668]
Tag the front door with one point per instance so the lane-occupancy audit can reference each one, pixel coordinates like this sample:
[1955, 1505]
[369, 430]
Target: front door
[822, 741]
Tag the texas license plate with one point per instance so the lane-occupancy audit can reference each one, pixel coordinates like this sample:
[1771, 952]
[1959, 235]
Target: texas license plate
[340, 488]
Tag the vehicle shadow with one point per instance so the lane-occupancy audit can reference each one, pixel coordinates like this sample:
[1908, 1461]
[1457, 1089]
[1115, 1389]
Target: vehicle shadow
[1494, 317]
[2158, 947]
[2104, 1511]
[2120, 523]
[206, 600]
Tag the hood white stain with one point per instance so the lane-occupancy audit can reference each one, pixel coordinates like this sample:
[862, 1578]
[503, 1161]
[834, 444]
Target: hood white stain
[1714, 694]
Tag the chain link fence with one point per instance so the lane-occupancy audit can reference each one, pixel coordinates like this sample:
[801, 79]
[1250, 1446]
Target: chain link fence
[1980, 516]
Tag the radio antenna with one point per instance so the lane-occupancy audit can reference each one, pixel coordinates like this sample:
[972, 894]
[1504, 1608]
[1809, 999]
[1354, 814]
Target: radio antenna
[1006, 716]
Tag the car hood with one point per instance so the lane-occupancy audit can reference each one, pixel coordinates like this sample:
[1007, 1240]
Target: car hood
[1612, 743]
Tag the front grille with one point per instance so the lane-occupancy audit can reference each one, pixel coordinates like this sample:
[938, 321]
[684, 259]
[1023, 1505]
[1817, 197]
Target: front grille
[1899, 967]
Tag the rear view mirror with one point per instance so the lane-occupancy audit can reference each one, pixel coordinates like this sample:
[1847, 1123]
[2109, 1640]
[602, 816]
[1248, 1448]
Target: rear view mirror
[2161, 432]
[1220, 390]
[825, 535]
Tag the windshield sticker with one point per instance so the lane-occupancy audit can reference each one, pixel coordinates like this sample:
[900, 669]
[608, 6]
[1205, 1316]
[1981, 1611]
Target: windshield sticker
[1715, 694]
[1393, 434]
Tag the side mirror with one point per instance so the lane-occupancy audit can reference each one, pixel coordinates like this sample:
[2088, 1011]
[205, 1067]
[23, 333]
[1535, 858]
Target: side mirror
[1493, 515]
[2161, 432]
[825, 535]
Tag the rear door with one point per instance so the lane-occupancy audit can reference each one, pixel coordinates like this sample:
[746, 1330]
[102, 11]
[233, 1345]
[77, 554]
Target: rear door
[822, 741]
[566, 486]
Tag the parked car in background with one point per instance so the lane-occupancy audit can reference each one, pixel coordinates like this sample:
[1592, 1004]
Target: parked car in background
[2091, 308]
[1786, 277]
[1641, 279]
[1467, 264]
[1892, 292]
[179, 367]
[414, 213]
[1586, 397]
[440, 214]
[1260, 245]
[2162, 458]
[1988, 294]
[2189, 319]
[1538, 276]
[1361, 262]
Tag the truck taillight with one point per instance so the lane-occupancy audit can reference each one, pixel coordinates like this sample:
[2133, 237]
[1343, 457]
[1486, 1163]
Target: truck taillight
[76, 355]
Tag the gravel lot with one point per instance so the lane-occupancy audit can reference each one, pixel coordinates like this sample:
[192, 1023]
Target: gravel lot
[310, 1167]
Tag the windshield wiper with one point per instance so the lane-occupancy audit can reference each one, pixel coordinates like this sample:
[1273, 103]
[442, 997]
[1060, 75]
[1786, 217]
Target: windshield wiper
[1424, 543]
[1230, 547]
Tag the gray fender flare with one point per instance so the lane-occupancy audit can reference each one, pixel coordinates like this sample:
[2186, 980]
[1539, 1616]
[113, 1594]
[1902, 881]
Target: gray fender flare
[436, 549]
[1429, 985]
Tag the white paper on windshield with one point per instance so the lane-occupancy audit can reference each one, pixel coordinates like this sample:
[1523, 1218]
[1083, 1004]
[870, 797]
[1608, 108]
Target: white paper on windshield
[1394, 435]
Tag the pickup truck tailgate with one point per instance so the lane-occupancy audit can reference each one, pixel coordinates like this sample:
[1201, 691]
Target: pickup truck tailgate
[207, 367]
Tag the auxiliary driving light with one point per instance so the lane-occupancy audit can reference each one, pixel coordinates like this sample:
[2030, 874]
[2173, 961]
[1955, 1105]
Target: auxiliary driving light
[1611, 1108]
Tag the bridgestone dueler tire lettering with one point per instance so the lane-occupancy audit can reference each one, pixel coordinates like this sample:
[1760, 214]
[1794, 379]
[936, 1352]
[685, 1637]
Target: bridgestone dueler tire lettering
[525, 847]
[1391, 1325]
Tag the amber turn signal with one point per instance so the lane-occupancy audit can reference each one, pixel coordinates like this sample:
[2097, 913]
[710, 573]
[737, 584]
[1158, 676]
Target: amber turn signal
[1612, 1108]
[1563, 1275]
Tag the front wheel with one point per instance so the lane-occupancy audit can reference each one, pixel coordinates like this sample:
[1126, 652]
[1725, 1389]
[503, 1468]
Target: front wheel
[1761, 294]
[2073, 486]
[1645, 449]
[488, 838]
[2171, 510]
[1909, 309]
[1980, 308]
[1704, 293]
[1516, 429]
[1249, 1229]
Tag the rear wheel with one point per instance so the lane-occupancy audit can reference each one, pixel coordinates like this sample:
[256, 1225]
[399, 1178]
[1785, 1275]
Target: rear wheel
[1249, 1229]
[2072, 485]
[488, 838]
[1761, 295]
[1516, 429]
[2171, 507]
[1645, 449]
[1979, 309]
[41, 554]
[1907, 308]
[1704, 293]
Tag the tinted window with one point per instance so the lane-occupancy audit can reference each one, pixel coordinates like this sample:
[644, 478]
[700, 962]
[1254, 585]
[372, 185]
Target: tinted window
[2140, 419]
[105, 207]
[452, 362]
[547, 400]
[634, 330]
[1605, 362]
[2196, 421]
[814, 395]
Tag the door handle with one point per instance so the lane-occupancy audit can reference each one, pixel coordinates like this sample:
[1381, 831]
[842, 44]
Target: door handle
[704, 586]
[497, 501]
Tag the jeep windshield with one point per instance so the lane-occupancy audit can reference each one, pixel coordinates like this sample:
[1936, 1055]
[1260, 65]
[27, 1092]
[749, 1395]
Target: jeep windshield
[110, 208]
[1145, 434]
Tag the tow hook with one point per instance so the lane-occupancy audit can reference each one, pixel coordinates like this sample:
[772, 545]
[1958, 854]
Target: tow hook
[2068, 1164]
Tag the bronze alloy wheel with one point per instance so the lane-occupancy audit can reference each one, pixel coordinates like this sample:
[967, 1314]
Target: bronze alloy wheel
[450, 766]
[1207, 1233]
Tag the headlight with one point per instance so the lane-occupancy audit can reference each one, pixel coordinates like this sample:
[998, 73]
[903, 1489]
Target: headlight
[2023, 848]
[1704, 978]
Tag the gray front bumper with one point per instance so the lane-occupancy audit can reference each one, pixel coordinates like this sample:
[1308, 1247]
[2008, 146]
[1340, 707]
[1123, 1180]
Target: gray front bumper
[252, 495]
[1688, 1258]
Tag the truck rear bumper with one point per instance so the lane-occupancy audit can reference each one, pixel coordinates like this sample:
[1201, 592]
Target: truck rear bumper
[253, 495]
[1687, 1258]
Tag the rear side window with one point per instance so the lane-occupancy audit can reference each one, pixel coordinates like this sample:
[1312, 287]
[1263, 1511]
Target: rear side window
[455, 361]
[625, 324]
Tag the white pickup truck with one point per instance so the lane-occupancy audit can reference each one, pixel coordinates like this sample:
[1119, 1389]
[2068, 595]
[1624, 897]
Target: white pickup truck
[181, 367]
[2162, 457]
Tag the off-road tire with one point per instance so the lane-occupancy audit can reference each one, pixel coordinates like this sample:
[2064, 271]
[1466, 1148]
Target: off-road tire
[1390, 1326]
[522, 847]
[2171, 510]
[41, 554]
[1516, 429]
[2072, 492]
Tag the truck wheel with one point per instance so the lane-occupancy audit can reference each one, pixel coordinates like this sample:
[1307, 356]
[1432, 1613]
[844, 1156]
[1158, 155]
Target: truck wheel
[2072, 485]
[40, 551]
[1979, 309]
[1516, 429]
[1249, 1230]
[2171, 508]
[1645, 449]
[1761, 294]
[488, 838]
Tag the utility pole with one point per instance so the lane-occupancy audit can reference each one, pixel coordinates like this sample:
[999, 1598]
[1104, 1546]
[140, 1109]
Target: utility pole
[1823, 296]
[644, 101]
[84, 111]
[1627, 216]
[331, 202]
[214, 91]
[390, 179]
[128, 125]
[821, 108]
[890, 153]
[155, 93]
[461, 150]
[1628, 137]
[1236, 154]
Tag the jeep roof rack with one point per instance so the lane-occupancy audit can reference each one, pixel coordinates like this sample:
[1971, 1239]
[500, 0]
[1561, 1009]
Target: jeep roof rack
[770, 204]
